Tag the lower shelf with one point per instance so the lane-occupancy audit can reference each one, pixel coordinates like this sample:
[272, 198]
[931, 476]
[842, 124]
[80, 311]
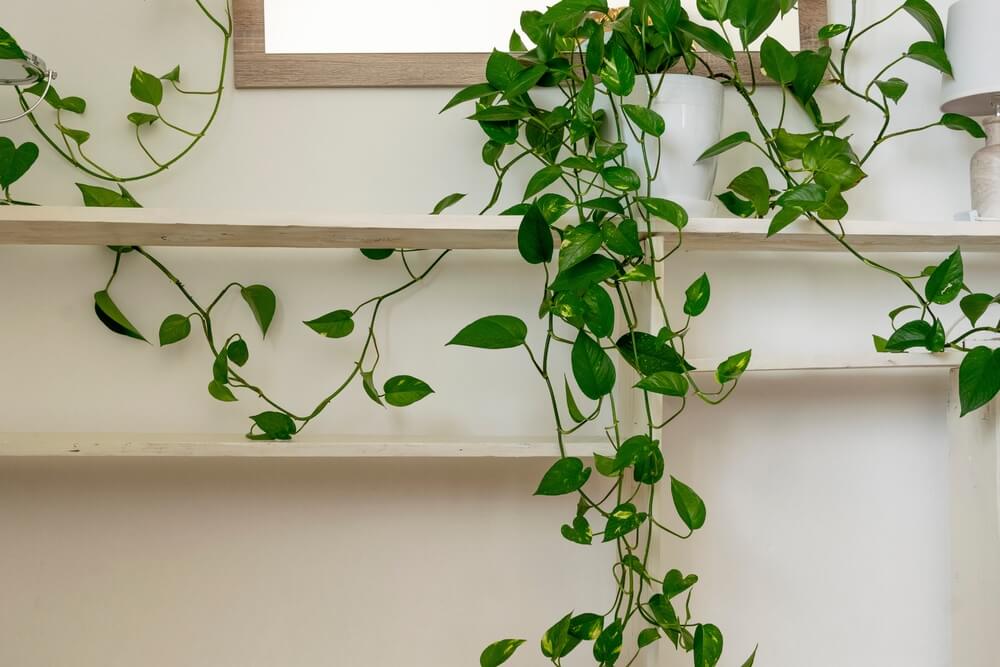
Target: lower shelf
[139, 445]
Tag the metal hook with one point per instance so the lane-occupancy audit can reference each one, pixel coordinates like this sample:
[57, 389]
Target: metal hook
[38, 64]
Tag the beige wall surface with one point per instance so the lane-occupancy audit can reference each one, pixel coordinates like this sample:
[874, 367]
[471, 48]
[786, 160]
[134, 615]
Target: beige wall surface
[828, 519]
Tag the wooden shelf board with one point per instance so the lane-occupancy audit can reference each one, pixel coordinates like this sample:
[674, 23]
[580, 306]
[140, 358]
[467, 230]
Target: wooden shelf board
[873, 361]
[43, 225]
[155, 445]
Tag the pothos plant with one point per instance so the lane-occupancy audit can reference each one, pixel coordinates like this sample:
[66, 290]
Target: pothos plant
[600, 208]
[608, 68]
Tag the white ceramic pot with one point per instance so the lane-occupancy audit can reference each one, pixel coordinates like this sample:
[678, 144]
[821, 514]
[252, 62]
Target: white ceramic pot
[692, 107]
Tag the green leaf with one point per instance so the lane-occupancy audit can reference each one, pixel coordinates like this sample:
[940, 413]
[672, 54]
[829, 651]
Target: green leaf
[525, 81]
[578, 533]
[574, 410]
[173, 75]
[783, 219]
[492, 151]
[650, 466]
[338, 324]
[599, 311]
[928, 17]
[733, 367]
[146, 88]
[542, 179]
[113, 318]
[586, 627]
[646, 119]
[618, 73]
[727, 144]
[556, 638]
[641, 273]
[675, 583]
[474, 92]
[553, 206]
[832, 30]
[707, 646]
[221, 392]
[578, 244]
[515, 43]
[955, 121]
[500, 113]
[690, 507]
[697, 296]
[368, 384]
[622, 238]
[979, 379]
[403, 390]
[139, 119]
[649, 355]
[9, 49]
[102, 197]
[738, 207]
[753, 17]
[666, 383]
[648, 636]
[751, 659]
[912, 334]
[623, 520]
[792, 145]
[502, 69]
[567, 475]
[945, 284]
[608, 646]
[377, 254]
[622, 178]
[497, 332]
[79, 137]
[713, 10]
[238, 352]
[893, 88]
[447, 203]
[634, 449]
[812, 67]
[707, 38]
[499, 652]
[606, 204]
[930, 53]
[262, 303]
[663, 612]
[592, 367]
[754, 186]
[975, 306]
[667, 210]
[591, 271]
[572, 10]
[778, 62]
[15, 163]
[534, 237]
[808, 197]
[274, 426]
[174, 329]
[220, 367]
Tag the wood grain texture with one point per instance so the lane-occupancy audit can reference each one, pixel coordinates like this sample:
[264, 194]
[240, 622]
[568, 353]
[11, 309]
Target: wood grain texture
[255, 68]
[187, 445]
[53, 225]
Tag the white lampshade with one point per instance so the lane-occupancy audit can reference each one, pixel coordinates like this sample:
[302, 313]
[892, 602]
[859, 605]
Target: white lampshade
[973, 30]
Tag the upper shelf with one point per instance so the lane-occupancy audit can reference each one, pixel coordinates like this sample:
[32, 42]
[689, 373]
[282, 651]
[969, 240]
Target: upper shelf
[45, 225]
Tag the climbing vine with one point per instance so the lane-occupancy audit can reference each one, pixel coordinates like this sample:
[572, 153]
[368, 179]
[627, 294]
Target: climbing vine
[591, 225]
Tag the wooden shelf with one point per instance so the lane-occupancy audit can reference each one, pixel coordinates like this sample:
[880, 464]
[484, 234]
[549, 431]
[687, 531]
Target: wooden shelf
[185, 445]
[873, 361]
[42, 225]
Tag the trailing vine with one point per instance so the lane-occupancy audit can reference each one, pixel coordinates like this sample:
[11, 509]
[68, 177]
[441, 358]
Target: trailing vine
[587, 193]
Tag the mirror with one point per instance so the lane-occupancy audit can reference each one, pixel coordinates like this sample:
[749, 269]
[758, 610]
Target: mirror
[318, 43]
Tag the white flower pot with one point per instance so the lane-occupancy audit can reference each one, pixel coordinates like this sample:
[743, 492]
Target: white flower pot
[692, 107]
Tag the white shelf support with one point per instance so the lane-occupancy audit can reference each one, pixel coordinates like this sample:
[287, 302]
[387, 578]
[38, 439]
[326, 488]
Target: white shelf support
[975, 533]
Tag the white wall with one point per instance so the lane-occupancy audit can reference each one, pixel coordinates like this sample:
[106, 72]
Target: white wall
[827, 539]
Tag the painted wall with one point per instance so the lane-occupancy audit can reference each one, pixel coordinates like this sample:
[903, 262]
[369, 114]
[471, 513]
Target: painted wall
[827, 537]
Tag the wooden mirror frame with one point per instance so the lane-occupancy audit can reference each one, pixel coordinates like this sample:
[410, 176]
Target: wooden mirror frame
[256, 68]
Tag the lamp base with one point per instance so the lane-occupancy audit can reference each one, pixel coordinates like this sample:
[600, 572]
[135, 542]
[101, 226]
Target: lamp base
[986, 173]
